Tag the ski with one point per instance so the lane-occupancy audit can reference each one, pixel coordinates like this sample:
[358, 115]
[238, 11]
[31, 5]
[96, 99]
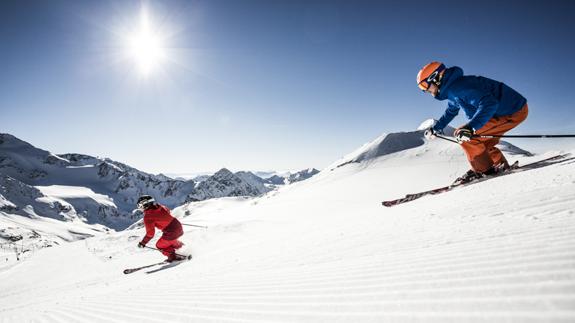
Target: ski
[131, 270]
[165, 262]
[515, 168]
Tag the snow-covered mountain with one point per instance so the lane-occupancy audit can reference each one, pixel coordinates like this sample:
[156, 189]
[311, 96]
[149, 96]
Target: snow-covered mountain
[302, 175]
[69, 187]
[266, 177]
[31, 219]
[16, 193]
[396, 142]
[326, 250]
[290, 177]
[225, 183]
[275, 180]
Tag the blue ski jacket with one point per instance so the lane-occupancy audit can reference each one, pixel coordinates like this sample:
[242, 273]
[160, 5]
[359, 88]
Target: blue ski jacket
[480, 98]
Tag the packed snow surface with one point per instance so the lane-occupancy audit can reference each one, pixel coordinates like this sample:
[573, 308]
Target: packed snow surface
[326, 250]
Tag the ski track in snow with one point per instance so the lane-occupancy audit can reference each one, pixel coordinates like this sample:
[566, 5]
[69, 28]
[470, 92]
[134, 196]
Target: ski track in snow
[498, 251]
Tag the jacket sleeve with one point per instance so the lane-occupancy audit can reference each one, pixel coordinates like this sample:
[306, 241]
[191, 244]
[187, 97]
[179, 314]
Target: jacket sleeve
[486, 107]
[450, 113]
[150, 230]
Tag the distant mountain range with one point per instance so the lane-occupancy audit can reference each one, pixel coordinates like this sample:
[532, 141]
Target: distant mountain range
[266, 177]
[69, 187]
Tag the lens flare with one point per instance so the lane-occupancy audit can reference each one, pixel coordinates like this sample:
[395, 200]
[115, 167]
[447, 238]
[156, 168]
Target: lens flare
[145, 46]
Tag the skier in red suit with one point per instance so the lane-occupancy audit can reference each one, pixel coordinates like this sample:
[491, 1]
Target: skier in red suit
[159, 216]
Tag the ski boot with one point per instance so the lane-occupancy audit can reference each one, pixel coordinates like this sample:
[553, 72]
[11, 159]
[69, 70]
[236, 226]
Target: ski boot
[175, 257]
[498, 169]
[470, 176]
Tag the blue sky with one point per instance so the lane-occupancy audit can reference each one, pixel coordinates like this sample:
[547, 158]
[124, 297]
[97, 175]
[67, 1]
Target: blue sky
[263, 85]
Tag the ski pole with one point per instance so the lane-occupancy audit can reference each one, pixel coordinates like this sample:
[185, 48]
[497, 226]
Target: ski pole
[445, 138]
[524, 136]
[193, 225]
[177, 254]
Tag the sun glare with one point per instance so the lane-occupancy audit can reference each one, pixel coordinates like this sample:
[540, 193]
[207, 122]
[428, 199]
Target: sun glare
[145, 47]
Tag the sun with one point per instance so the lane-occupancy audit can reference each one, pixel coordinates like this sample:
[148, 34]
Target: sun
[145, 46]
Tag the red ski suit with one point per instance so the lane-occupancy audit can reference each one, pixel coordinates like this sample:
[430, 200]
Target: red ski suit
[158, 216]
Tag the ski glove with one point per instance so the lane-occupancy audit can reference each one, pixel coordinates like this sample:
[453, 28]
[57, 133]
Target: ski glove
[464, 133]
[429, 133]
[141, 245]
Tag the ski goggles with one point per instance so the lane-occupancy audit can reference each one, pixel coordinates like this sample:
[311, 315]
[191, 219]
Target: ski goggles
[433, 78]
[143, 204]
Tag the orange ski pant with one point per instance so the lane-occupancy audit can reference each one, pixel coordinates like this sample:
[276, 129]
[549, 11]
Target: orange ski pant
[481, 152]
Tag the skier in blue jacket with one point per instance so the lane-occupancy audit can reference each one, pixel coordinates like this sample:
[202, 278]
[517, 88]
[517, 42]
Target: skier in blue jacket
[492, 108]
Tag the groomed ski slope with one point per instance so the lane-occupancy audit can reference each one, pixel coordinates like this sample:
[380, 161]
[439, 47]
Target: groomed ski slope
[325, 250]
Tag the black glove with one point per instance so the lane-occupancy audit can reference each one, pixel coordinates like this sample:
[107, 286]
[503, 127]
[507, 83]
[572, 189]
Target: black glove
[429, 133]
[464, 133]
[141, 245]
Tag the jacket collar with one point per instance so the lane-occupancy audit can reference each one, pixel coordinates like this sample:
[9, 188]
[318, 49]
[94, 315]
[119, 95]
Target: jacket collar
[450, 76]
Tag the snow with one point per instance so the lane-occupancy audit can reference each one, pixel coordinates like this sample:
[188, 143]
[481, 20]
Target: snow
[325, 250]
[95, 190]
[4, 203]
[75, 192]
[426, 124]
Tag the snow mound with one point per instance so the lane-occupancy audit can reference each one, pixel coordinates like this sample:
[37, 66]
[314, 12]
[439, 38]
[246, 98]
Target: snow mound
[387, 144]
[426, 124]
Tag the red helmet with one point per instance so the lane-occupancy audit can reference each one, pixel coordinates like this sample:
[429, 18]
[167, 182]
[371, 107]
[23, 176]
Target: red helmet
[430, 73]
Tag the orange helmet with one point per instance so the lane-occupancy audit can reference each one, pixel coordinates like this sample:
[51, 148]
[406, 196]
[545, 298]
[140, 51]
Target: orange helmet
[429, 74]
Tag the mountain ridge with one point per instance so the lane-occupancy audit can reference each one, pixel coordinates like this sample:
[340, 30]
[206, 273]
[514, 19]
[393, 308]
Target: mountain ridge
[34, 167]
